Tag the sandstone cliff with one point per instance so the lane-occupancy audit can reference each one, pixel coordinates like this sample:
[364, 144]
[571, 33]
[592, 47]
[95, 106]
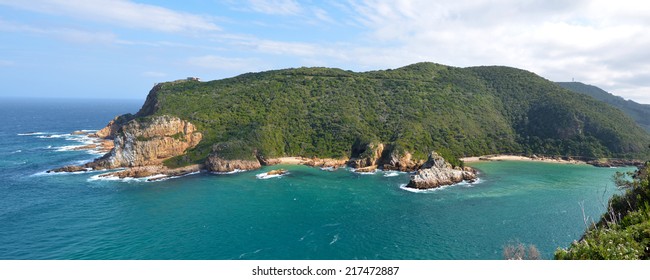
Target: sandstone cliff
[437, 172]
[401, 161]
[150, 141]
[110, 131]
[368, 155]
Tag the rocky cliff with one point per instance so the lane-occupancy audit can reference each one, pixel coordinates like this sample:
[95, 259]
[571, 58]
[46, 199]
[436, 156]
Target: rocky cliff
[149, 141]
[144, 142]
[215, 163]
[437, 172]
[369, 155]
[110, 131]
[401, 161]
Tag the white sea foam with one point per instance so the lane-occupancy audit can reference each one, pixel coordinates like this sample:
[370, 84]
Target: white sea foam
[54, 136]
[250, 253]
[363, 173]
[45, 173]
[82, 162]
[148, 179]
[403, 186]
[392, 173]
[17, 151]
[336, 238]
[267, 176]
[329, 168]
[31, 133]
[163, 177]
[68, 148]
[331, 225]
[469, 184]
[230, 172]
[461, 184]
[101, 177]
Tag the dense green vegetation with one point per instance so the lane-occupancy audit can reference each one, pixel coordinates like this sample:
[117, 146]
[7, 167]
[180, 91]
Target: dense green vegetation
[639, 112]
[422, 107]
[624, 231]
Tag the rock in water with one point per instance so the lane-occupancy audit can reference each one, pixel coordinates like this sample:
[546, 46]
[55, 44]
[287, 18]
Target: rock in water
[277, 172]
[437, 172]
[69, 168]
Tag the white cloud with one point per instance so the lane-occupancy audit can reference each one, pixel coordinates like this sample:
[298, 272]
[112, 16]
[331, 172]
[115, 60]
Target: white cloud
[67, 34]
[275, 7]
[601, 42]
[120, 12]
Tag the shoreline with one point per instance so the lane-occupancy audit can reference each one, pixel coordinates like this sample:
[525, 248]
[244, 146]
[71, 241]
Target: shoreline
[520, 158]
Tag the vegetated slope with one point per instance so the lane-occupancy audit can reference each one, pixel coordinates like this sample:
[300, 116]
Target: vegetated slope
[326, 112]
[639, 112]
[624, 231]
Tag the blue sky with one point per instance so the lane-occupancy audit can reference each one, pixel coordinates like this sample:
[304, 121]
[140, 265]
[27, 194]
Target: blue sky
[120, 48]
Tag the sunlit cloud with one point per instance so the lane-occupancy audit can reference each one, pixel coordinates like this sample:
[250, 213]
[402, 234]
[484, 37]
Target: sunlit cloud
[120, 12]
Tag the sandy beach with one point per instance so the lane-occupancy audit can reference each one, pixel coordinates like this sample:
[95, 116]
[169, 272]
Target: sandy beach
[519, 158]
[290, 160]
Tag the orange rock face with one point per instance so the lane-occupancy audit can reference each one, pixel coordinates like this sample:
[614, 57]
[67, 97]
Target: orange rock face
[150, 142]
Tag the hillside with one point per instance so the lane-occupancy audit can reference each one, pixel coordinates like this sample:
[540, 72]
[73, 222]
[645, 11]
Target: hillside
[332, 113]
[623, 233]
[639, 112]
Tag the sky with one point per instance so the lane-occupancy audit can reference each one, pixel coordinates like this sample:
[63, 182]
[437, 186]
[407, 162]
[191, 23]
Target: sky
[121, 48]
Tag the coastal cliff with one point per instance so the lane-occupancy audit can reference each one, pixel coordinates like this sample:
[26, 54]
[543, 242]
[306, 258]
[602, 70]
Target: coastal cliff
[144, 142]
[214, 163]
[150, 141]
[111, 129]
[389, 119]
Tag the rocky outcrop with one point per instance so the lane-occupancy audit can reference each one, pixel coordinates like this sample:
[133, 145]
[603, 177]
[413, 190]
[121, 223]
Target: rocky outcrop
[368, 155]
[149, 142]
[158, 172]
[367, 169]
[616, 163]
[68, 168]
[401, 161]
[111, 129]
[437, 172]
[214, 163]
[146, 142]
[277, 172]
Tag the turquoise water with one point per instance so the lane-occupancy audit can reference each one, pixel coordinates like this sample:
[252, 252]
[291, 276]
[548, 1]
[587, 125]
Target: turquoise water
[307, 214]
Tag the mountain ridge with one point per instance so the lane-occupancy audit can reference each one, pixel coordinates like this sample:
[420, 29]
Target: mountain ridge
[416, 108]
[392, 119]
[639, 112]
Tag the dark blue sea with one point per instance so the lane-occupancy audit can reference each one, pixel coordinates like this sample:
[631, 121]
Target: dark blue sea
[307, 214]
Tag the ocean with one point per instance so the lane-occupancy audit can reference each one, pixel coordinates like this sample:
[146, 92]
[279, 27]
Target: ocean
[306, 214]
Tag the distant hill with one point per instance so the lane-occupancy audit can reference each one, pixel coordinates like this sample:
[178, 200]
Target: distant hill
[332, 113]
[639, 112]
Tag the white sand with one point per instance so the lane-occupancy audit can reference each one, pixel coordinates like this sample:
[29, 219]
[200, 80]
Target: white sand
[518, 158]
